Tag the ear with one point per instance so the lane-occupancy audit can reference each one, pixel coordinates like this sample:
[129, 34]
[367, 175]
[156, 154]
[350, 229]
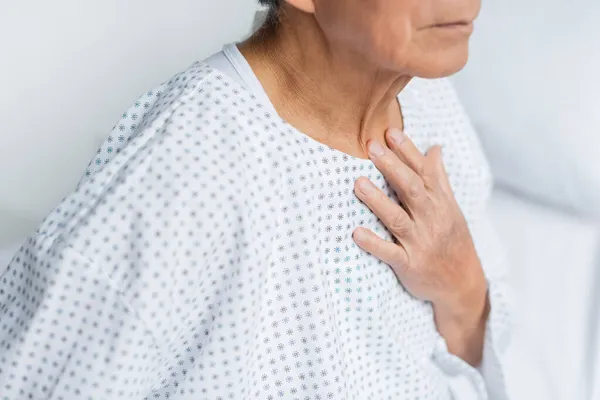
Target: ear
[308, 6]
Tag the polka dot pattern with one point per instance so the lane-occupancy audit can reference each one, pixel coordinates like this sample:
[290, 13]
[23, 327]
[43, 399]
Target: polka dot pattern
[207, 253]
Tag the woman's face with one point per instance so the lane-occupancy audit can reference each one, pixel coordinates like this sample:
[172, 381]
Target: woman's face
[424, 38]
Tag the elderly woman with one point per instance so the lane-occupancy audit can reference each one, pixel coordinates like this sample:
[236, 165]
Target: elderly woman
[300, 216]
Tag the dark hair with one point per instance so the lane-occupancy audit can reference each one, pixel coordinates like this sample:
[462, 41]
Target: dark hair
[273, 17]
[272, 4]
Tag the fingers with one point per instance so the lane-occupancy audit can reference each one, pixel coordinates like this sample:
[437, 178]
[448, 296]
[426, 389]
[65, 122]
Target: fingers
[436, 161]
[430, 167]
[394, 217]
[406, 150]
[435, 155]
[407, 184]
[388, 252]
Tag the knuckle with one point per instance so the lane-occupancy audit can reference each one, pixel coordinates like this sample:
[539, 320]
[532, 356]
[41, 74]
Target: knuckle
[399, 222]
[430, 179]
[414, 188]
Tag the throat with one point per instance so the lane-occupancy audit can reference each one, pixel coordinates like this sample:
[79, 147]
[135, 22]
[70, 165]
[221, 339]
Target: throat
[354, 142]
[327, 101]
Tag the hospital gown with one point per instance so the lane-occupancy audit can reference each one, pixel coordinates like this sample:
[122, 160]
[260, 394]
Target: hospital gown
[208, 254]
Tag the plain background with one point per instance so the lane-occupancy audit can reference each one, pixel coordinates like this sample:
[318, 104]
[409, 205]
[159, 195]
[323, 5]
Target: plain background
[69, 68]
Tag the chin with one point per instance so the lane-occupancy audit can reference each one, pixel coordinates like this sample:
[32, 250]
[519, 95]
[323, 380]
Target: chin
[437, 64]
[443, 70]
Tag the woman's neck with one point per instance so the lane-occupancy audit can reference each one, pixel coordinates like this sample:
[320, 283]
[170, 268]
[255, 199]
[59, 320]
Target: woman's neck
[327, 92]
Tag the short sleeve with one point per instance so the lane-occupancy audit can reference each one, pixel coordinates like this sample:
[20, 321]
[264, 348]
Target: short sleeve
[488, 379]
[67, 333]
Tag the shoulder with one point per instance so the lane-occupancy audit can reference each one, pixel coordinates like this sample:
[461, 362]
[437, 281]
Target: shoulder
[188, 187]
[156, 103]
[184, 151]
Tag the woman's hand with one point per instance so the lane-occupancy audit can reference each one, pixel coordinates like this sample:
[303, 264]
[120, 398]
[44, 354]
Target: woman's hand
[434, 256]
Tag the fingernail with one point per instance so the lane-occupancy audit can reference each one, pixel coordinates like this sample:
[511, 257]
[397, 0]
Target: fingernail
[360, 235]
[366, 186]
[397, 136]
[376, 149]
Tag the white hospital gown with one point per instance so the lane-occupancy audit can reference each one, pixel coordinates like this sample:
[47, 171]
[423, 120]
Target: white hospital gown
[208, 255]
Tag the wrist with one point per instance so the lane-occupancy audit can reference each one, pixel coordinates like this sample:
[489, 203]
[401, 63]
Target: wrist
[464, 308]
[462, 324]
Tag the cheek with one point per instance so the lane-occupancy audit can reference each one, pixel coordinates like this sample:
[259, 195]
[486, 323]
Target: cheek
[381, 31]
[386, 41]
[392, 44]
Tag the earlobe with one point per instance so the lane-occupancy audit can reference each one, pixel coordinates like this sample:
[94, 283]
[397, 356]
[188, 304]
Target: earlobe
[308, 6]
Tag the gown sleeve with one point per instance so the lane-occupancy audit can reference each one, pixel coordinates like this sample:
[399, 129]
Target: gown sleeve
[66, 332]
[70, 327]
[488, 378]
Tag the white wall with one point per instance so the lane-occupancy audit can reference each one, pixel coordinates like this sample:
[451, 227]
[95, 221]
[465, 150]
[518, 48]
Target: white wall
[69, 68]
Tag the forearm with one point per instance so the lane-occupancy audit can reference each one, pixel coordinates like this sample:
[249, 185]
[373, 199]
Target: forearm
[463, 328]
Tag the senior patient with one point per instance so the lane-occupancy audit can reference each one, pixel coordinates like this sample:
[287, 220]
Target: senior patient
[300, 216]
